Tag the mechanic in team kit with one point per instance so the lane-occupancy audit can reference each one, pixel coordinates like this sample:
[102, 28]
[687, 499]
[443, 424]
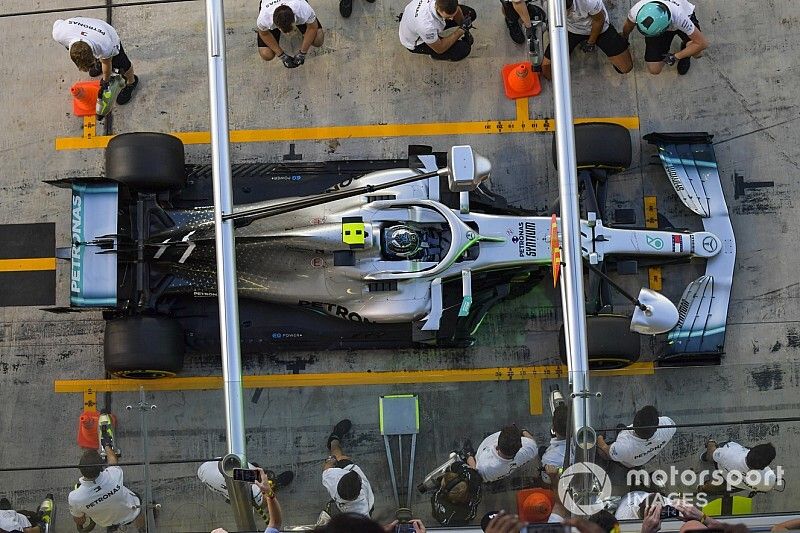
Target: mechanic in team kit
[660, 22]
[636, 445]
[211, 476]
[503, 452]
[423, 22]
[346, 483]
[276, 17]
[23, 521]
[267, 494]
[553, 455]
[100, 496]
[589, 27]
[751, 463]
[518, 19]
[95, 47]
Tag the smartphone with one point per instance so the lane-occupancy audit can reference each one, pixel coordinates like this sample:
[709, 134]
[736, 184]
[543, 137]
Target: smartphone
[246, 475]
[545, 528]
[668, 512]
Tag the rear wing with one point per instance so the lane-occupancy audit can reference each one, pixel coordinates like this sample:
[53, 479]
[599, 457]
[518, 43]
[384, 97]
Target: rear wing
[93, 276]
[691, 166]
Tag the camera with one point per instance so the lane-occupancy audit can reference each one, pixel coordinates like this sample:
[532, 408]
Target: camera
[668, 512]
[403, 516]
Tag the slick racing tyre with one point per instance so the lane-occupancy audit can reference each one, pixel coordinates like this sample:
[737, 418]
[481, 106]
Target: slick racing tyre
[600, 145]
[611, 343]
[147, 162]
[143, 347]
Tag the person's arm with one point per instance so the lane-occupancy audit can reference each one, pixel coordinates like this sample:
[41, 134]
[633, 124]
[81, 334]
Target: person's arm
[79, 521]
[308, 37]
[598, 21]
[444, 43]
[111, 457]
[522, 10]
[270, 41]
[652, 519]
[604, 448]
[787, 526]
[268, 495]
[687, 512]
[330, 462]
[458, 18]
[628, 27]
[106, 65]
[697, 44]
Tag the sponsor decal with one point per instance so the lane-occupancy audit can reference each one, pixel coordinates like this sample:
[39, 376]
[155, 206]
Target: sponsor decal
[104, 497]
[335, 310]
[317, 262]
[677, 243]
[82, 25]
[526, 239]
[77, 253]
[341, 185]
[280, 335]
[656, 243]
[709, 244]
[287, 178]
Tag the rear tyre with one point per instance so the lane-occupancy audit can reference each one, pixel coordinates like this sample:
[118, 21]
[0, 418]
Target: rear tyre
[600, 145]
[143, 347]
[146, 161]
[611, 343]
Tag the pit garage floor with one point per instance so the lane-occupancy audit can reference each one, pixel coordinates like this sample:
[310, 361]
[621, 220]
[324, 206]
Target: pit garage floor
[743, 92]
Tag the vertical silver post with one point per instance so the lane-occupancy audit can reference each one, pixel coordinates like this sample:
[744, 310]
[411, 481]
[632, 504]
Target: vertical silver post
[147, 503]
[572, 271]
[226, 258]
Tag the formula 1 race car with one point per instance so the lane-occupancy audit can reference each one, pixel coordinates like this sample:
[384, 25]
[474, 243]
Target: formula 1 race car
[411, 253]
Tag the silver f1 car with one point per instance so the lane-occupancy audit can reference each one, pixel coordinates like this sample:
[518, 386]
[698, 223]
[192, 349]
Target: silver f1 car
[396, 257]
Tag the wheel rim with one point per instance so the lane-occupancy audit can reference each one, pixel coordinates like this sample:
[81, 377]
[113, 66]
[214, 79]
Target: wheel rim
[144, 374]
[609, 363]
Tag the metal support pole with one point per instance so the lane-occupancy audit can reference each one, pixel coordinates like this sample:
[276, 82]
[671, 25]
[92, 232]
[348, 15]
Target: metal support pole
[572, 271]
[226, 258]
[147, 504]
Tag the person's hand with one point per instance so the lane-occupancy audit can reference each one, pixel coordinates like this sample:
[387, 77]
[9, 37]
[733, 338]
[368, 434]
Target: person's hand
[588, 47]
[300, 58]
[219, 530]
[669, 59]
[466, 25]
[419, 527]
[652, 519]
[288, 61]
[687, 512]
[263, 484]
[389, 528]
[584, 526]
[711, 447]
[504, 523]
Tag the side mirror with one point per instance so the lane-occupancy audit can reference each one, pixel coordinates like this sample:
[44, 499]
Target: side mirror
[466, 169]
[660, 314]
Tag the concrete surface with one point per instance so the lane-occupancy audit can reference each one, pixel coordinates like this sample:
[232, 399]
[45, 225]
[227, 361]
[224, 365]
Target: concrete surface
[743, 91]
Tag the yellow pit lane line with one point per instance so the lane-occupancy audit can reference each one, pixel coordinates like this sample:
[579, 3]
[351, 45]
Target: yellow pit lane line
[533, 374]
[521, 124]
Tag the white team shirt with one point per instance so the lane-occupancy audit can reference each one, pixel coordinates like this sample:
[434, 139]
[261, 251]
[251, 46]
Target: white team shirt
[554, 454]
[365, 500]
[105, 500]
[210, 475]
[579, 18]
[632, 451]
[99, 35]
[492, 467]
[303, 14]
[731, 458]
[420, 24]
[680, 11]
[13, 521]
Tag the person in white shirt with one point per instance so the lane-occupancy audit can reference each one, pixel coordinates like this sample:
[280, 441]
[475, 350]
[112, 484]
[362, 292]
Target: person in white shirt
[211, 476]
[275, 519]
[11, 520]
[423, 22]
[554, 454]
[101, 497]
[95, 47]
[638, 444]
[516, 13]
[589, 27]
[346, 483]
[503, 452]
[744, 468]
[660, 22]
[277, 17]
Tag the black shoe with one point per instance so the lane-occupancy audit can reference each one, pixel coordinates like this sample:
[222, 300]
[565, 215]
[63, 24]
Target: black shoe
[126, 94]
[371, 1]
[5, 505]
[341, 429]
[345, 8]
[95, 70]
[684, 64]
[515, 30]
[284, 479]
[468, 448]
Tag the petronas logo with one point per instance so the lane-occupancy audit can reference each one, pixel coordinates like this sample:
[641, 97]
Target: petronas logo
[656, 243]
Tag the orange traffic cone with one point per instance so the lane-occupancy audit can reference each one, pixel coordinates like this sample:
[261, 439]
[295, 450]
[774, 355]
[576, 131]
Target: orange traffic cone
[520, 81]
[84, 97]
[87, 424]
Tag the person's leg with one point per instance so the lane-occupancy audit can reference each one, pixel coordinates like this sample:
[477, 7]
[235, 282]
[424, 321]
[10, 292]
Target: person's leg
[122, 64]
[617, 49]
[460, 49]
[265, 51]
[319, 38]
[655, 50]
[336, 450]
[469, 12]
[547, 65]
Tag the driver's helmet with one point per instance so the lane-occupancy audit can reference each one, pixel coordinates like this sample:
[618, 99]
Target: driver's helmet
[653, 19]
[402, 241]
